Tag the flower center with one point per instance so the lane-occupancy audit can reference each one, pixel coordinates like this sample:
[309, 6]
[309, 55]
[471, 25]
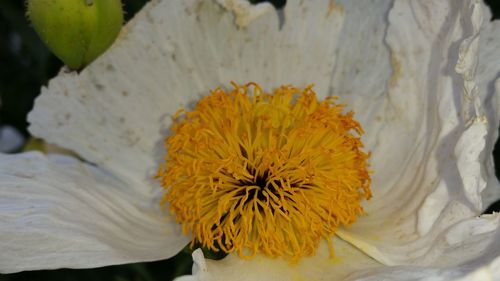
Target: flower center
[252, 172]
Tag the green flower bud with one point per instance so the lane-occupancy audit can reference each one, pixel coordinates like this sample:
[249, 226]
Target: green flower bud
[76, 31]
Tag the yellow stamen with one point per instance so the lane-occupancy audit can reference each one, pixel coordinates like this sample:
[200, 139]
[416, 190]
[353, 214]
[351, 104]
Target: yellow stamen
[252, 172]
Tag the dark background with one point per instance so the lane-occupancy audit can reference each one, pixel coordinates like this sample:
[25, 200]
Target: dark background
[26, 65]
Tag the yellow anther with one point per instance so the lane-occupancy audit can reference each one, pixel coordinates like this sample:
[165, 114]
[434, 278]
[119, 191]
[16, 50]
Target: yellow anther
[252, 172]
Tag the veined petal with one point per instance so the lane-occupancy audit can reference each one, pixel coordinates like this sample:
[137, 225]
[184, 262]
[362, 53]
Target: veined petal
[116, 112]
[317, 267]
[363, 64]
[59, 212]
[427, 157]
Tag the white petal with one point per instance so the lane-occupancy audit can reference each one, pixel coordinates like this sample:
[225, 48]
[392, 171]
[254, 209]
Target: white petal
[318, 267]
[116, 112]
[464, 239]
[60, 212]
[488, 73]
[427, 155]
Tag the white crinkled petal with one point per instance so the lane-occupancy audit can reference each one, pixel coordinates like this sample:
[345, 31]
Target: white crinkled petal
[117, 111]
[59, 212]
[488, 74]
[318, 267]
[427, 158]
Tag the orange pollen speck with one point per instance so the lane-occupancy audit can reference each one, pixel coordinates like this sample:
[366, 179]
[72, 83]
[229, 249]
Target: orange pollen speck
[252, 172]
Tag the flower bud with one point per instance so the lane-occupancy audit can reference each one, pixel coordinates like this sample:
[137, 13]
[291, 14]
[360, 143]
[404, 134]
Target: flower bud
[76, 31]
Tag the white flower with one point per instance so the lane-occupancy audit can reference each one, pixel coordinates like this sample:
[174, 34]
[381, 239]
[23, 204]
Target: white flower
[420, 76]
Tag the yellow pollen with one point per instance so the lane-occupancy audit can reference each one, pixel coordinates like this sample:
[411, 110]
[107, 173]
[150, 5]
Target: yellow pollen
[252, 172]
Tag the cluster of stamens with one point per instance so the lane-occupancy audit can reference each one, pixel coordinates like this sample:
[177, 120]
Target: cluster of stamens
[252, 172]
